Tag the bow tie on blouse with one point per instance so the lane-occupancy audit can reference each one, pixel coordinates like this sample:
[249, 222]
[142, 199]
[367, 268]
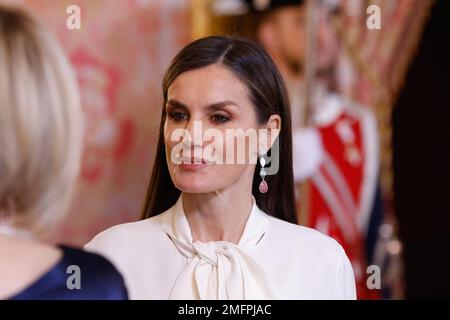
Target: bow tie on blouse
[221, 269]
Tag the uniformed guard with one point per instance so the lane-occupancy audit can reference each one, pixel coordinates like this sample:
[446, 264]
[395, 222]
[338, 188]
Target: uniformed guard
[336, 142]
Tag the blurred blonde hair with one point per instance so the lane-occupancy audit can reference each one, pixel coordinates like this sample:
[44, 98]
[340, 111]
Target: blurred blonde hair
[40, 124]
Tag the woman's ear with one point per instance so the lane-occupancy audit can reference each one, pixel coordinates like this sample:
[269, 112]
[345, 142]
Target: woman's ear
[273, 127]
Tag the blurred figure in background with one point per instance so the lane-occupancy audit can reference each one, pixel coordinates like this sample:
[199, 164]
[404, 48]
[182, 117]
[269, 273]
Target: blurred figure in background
[40, 148]
[335, 143]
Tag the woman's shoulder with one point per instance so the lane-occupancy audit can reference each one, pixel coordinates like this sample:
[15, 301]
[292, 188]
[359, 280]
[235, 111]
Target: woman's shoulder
[77, 275]
[318, 260]
[123, 239]
[305, 239]
[99, 276]
[87, 260]
[141, 228]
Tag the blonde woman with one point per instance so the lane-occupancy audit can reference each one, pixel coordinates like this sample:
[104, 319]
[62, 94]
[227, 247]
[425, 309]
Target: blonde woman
[40, 145]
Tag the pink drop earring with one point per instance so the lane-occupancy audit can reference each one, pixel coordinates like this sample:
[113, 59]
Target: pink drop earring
[263, 186]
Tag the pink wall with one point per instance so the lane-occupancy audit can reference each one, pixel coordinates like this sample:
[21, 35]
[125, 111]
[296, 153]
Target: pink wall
[120, 55]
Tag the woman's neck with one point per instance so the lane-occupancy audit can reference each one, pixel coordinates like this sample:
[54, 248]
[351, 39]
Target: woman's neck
[218, 216]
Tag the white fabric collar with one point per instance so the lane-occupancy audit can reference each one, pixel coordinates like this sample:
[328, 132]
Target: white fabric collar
[219, 270]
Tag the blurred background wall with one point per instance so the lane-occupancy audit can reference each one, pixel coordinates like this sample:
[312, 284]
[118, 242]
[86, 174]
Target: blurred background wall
[120, 55]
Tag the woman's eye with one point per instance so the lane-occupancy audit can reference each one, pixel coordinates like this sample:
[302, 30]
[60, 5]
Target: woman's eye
[220, 118]
[178, 116]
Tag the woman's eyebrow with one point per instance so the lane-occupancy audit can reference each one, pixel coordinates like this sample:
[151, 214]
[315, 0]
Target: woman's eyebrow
[212, 107]
[176, 104]
[220, 105]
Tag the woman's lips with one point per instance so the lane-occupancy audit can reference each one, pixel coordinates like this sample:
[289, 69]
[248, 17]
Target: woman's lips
[192, 164]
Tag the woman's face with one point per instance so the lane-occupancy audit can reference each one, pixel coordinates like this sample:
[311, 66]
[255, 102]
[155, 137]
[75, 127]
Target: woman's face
[210, 117]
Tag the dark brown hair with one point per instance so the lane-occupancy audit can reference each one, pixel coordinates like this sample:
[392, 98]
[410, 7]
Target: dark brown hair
[249, 62]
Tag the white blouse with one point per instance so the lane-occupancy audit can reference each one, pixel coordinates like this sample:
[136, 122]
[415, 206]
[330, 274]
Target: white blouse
[274, 259]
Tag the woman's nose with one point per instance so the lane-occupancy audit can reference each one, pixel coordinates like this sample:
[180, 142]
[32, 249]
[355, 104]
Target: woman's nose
[193, 133]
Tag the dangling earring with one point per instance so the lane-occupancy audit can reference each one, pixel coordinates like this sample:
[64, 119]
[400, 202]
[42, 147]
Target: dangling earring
[263, 186]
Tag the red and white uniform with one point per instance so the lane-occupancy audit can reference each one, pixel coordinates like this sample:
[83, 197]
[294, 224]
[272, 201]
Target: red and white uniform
[339, 158]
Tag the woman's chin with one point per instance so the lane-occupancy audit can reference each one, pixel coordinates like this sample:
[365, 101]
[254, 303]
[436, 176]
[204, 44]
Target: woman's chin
[189, 187]
[191, 182]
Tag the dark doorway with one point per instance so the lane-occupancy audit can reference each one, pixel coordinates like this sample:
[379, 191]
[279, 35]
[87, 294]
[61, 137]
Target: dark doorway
[421, 143]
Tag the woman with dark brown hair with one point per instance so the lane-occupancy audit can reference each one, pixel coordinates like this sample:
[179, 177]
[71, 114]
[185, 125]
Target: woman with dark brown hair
[219, 217]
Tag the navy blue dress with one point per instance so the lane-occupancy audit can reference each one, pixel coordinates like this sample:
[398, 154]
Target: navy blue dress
[98, 279]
